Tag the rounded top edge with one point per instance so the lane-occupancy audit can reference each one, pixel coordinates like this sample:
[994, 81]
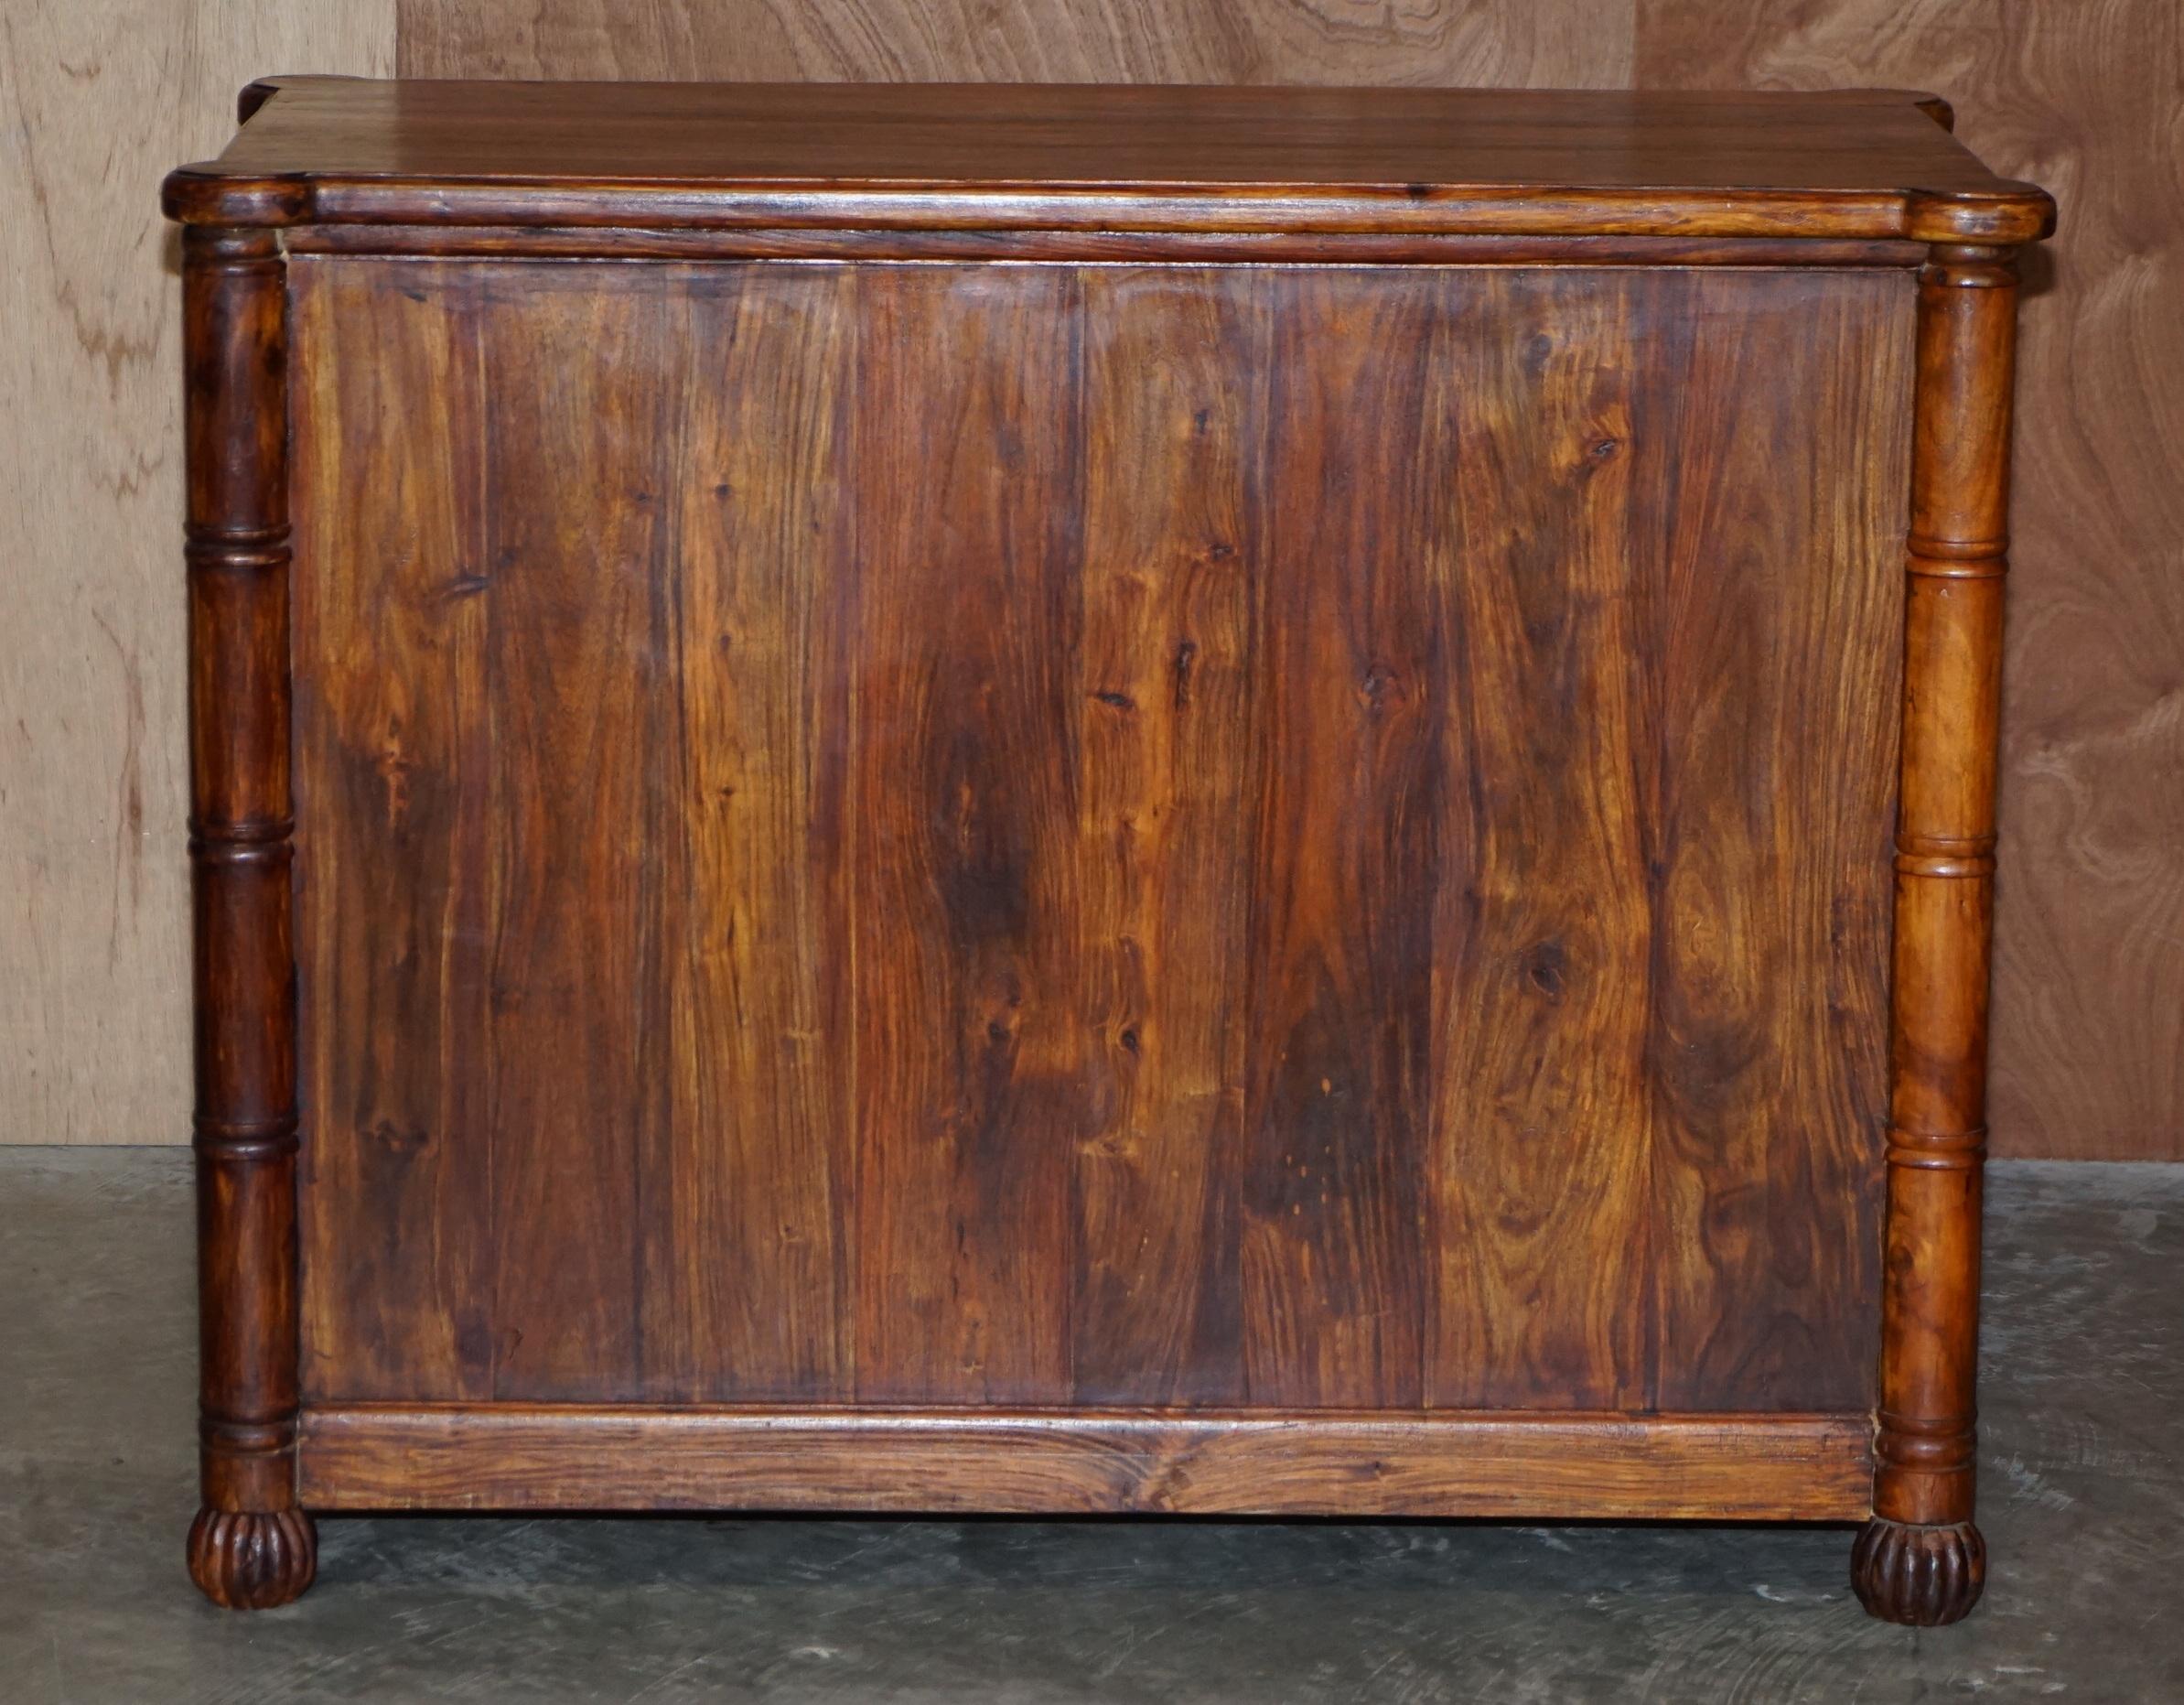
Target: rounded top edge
[2008, 214]
[1939, 108]
[208, 194]
[215, 193]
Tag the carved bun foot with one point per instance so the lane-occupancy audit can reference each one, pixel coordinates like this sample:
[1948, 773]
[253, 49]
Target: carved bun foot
[1922, 1577]
[252, 1560]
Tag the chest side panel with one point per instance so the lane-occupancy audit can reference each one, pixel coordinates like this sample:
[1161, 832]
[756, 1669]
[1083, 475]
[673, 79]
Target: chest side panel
[1256, 836]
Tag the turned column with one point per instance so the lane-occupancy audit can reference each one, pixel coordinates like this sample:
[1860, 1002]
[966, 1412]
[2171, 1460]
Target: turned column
[1920, 1559]
[251, 1546]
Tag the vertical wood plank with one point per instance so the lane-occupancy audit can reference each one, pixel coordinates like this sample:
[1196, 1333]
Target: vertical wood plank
[581, 384]
[1769, 600]
[1662, 974]
[963, 801]
[628, 1130]
[392, 762]
[1167, 705]
[1347, 845]
[1543, 1112]
[756, 1277]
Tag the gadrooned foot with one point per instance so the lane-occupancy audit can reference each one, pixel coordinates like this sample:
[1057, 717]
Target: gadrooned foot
[252, 1560]
[1922, 1577]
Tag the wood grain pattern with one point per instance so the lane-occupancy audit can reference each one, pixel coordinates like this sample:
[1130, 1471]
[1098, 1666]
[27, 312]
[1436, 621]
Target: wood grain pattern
[405, 753]
[1346, 842]
[1060, 871]
[1843, 165]
[756, 1003]
[1539, 1467]
[97, 101]
[1220, 146]
[2089, 1052]
[971, 1091]
[1768, 855]
[2089, 986]
[620, 1072]
[1169, 711]
[1661, 886]
[1542, 1130]
[1558, 44]
[575, 1044]
[1359, 248]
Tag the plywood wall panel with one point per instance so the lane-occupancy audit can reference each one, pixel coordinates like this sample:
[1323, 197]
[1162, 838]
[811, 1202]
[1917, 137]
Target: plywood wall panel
[100, 97]
[2089, 982]
[1548, 44]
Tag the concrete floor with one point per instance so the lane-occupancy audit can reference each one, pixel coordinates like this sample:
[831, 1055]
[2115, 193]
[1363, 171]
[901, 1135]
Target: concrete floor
[2083, 1500]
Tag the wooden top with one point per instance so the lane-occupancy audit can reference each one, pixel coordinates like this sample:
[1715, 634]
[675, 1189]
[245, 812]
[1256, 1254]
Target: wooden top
[1849, 163]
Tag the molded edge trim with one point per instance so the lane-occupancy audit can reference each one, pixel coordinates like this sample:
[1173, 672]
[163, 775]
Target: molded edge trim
[1707, 1467]
[602, 242]
[208, 194]
[2020, 213]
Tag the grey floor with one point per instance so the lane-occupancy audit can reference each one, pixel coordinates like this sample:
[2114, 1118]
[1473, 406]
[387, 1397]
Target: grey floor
[2082, 1492]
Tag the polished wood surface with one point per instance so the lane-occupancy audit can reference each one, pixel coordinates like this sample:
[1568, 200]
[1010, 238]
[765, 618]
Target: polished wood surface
[1508, 1463]
[2089, 1005]
[1362, 248]
[958, 712]
[1053, 134]
[251, 1546]
[1147, 886]
[1922, 1560]
[1848, 165]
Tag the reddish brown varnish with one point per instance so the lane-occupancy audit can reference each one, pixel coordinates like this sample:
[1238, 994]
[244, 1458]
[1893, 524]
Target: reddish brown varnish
[1921, 1560]
[1139, 882]
[250, 1545]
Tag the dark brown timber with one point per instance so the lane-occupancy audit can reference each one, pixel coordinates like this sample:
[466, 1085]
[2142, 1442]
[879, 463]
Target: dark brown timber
[1850, 163]
[251, 1546]
[1027, 849]
[1921, 1560]
[1088, 1461]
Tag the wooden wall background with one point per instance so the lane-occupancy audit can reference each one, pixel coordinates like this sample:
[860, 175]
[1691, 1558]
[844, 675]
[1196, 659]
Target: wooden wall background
[101, 95]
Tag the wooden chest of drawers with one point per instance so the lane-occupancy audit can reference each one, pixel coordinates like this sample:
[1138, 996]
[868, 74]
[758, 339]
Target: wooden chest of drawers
[1076, 799]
